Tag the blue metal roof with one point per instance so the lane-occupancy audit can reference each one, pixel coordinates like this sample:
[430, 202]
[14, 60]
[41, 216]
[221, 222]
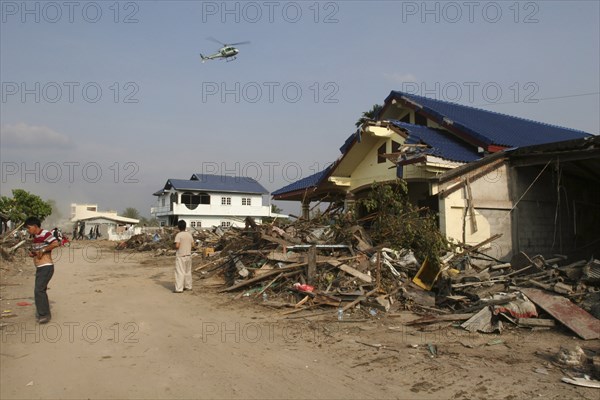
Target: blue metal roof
[309, 181]
[491, 127]
[218, 183]
[485, 127]
[442, 143]
[349, 141]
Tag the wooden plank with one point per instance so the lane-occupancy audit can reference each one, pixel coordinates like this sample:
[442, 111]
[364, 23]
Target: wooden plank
[301, 302]
[471, 207]
[536, 322]
[312, 265]
[361, 298]
[274, 239]
[476, 247]
[352, 271]
[268, 285]
[292, 267]
[378, 269]
[284, 257]
[262, 277]
[208, 264]
[573, 317]
[441, 318]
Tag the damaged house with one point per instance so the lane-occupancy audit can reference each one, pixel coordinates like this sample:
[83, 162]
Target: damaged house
[482, 172]
[205, 201]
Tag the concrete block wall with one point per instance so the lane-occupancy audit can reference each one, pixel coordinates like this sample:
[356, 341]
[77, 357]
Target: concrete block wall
[545, 222]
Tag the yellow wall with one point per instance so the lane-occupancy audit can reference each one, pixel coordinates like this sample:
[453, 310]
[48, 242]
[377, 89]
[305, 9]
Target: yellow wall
[369, 171]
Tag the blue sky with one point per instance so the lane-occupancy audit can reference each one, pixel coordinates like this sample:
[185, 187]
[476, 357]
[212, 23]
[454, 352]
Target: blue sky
[102, 102]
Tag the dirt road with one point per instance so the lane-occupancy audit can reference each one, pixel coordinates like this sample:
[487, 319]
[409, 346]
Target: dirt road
[118, 332]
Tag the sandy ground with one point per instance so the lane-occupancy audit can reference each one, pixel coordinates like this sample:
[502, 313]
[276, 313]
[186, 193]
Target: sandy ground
[118, 332]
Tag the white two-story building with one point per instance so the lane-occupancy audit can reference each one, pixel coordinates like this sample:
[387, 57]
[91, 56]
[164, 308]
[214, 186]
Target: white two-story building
[205, 201]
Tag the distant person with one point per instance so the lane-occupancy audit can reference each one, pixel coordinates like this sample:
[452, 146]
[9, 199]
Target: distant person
[41, 252]
[183, 259]
[97, 231]
[81, 235]
[75, 231]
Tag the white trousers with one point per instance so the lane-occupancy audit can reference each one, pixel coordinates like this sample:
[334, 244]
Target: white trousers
[183, 273]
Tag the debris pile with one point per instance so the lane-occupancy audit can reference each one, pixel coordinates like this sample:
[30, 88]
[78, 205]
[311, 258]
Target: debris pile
[11, 242]
[303, 266]
[393, 258]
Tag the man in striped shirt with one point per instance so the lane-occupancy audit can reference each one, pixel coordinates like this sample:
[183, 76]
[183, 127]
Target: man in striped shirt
[43, 244]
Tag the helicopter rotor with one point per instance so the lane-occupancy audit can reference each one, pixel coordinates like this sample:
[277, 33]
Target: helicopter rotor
[212, 39]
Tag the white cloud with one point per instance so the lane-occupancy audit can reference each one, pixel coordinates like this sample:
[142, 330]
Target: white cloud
[398, 77]
[31, 136]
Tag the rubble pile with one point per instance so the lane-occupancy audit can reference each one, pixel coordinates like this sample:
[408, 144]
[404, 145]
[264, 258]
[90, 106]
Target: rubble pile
[149, 242]
[304, 265]
[11, 242]
[393, 258]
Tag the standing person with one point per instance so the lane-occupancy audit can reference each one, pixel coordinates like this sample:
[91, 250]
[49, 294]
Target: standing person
[81, 230]
[43, 244]
[183, 259]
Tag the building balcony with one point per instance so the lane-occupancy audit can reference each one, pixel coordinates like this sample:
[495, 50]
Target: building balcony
[211, 210]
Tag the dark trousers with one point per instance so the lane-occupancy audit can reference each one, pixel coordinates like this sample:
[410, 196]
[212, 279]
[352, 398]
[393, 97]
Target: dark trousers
[42, 278]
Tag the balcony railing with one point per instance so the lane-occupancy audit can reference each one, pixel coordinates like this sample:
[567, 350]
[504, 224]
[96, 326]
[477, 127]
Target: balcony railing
[210, 209]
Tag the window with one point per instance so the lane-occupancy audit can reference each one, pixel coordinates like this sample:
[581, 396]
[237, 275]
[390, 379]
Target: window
[420, 120]
[225, 201]
[225, 224]
[395, 146]
[193, 224]
[163, 202]
[191, 200]
[246, 201]
[380, 151]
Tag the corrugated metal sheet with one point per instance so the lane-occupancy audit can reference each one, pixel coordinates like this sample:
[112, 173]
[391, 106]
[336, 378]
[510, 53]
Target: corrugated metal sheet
[309, 181]
[218, 183]
[442, 143]
[491, 127]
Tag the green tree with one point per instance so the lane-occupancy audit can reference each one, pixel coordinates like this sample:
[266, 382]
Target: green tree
[149, 221]
[131, 212]
[369, 115]
[24, 204]
[395, 222]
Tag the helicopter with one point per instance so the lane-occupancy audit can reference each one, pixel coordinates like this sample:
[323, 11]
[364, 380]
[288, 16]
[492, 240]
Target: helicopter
[227, 52]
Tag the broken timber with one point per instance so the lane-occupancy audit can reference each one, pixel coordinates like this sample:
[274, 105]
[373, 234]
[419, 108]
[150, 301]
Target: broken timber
[352, 271]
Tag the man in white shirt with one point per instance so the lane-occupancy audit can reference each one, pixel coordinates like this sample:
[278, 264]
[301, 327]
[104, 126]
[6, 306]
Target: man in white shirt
[183, 259]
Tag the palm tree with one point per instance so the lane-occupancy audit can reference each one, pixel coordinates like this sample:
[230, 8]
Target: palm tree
[369, 115]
